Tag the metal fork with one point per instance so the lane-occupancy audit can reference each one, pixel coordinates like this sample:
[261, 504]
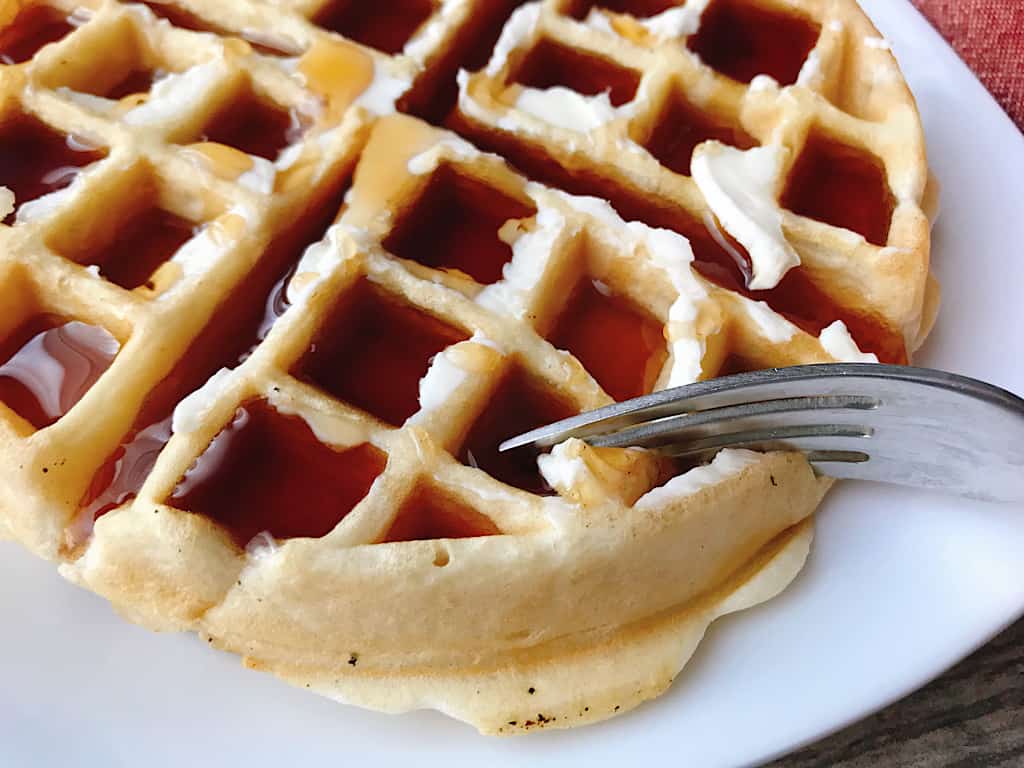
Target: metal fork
[894, 424]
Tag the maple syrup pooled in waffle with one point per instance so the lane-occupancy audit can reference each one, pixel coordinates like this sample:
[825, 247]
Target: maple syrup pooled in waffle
[279, 278]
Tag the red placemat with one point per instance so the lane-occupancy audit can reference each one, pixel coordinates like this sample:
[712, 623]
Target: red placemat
[989, 35]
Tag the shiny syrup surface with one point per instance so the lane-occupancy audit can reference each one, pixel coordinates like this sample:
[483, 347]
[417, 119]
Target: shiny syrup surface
[641, 9]
[842, 186]
[48, 364]
[431, 514]
[454, 225]
[267, 471]
[238, 325]
[619, 344]
[37, 160]
[146, 241]
[33, 27]
[716, 256]
[681, 127]
[518, 405]
[372, 352]
[253, 125]
[386, 26]
[549, 64]
[741, 40]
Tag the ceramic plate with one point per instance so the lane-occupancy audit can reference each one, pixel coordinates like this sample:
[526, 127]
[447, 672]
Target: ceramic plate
[900, 585]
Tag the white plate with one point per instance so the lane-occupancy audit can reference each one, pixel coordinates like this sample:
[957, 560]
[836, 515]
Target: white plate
[900, 586]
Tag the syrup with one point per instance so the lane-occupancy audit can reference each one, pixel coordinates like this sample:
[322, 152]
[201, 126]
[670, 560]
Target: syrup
[49, 363]
[34, 26]
[681, 127]
[454, 225]
[136, 81]
[142, 244]
[238, 325]
[841, 186]
[640, 9]
[716, 256]
[430, 514]
[267, 471]
[517, 405]
[741, 40]
[801, 302]
[386, 26]
[254, 126]
[373, 351]
[37, 160]
[433, 96]
[549, 64]
[125, 470]
[619, 344]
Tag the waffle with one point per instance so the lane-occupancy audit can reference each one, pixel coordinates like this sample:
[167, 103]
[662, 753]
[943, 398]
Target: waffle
[279, 278]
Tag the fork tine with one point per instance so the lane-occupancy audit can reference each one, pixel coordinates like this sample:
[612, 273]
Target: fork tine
[729, 390]
[812, 438]
[788, 411]
[759, 386]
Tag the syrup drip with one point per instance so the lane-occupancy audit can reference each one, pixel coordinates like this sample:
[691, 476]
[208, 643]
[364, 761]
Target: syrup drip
[386, 26]
[254, 126]
[238, 325]
[549, 64]
[742, 40]
[373, 351]
[33, 27]
[517, 405]
[429, 514]
[266, 471]
[841, 186]
[620, 345]
[454, 225]
[145, 242]
[433, 96]
[796, 297]
[640, 9]
[37, 160]
[49, 365]
[681, 128]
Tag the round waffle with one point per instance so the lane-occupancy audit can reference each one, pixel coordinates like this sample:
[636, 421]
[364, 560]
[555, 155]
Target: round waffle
[264, 334]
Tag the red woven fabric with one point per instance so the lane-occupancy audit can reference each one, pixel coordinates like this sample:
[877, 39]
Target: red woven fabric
[989, 35]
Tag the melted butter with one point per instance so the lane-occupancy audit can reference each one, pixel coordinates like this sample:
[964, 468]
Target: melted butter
[473, 357]
[225, 162]
[227, 228]
[235, 46]
[298, 177]
[630, 29]
[339, 72]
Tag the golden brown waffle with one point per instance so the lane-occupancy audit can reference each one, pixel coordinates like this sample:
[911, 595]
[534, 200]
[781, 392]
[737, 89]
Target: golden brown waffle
[229, 415]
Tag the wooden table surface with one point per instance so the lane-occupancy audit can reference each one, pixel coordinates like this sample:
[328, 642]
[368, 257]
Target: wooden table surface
[971, 717]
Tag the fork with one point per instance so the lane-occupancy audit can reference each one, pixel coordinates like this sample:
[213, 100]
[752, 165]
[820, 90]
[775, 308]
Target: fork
[894, 424]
